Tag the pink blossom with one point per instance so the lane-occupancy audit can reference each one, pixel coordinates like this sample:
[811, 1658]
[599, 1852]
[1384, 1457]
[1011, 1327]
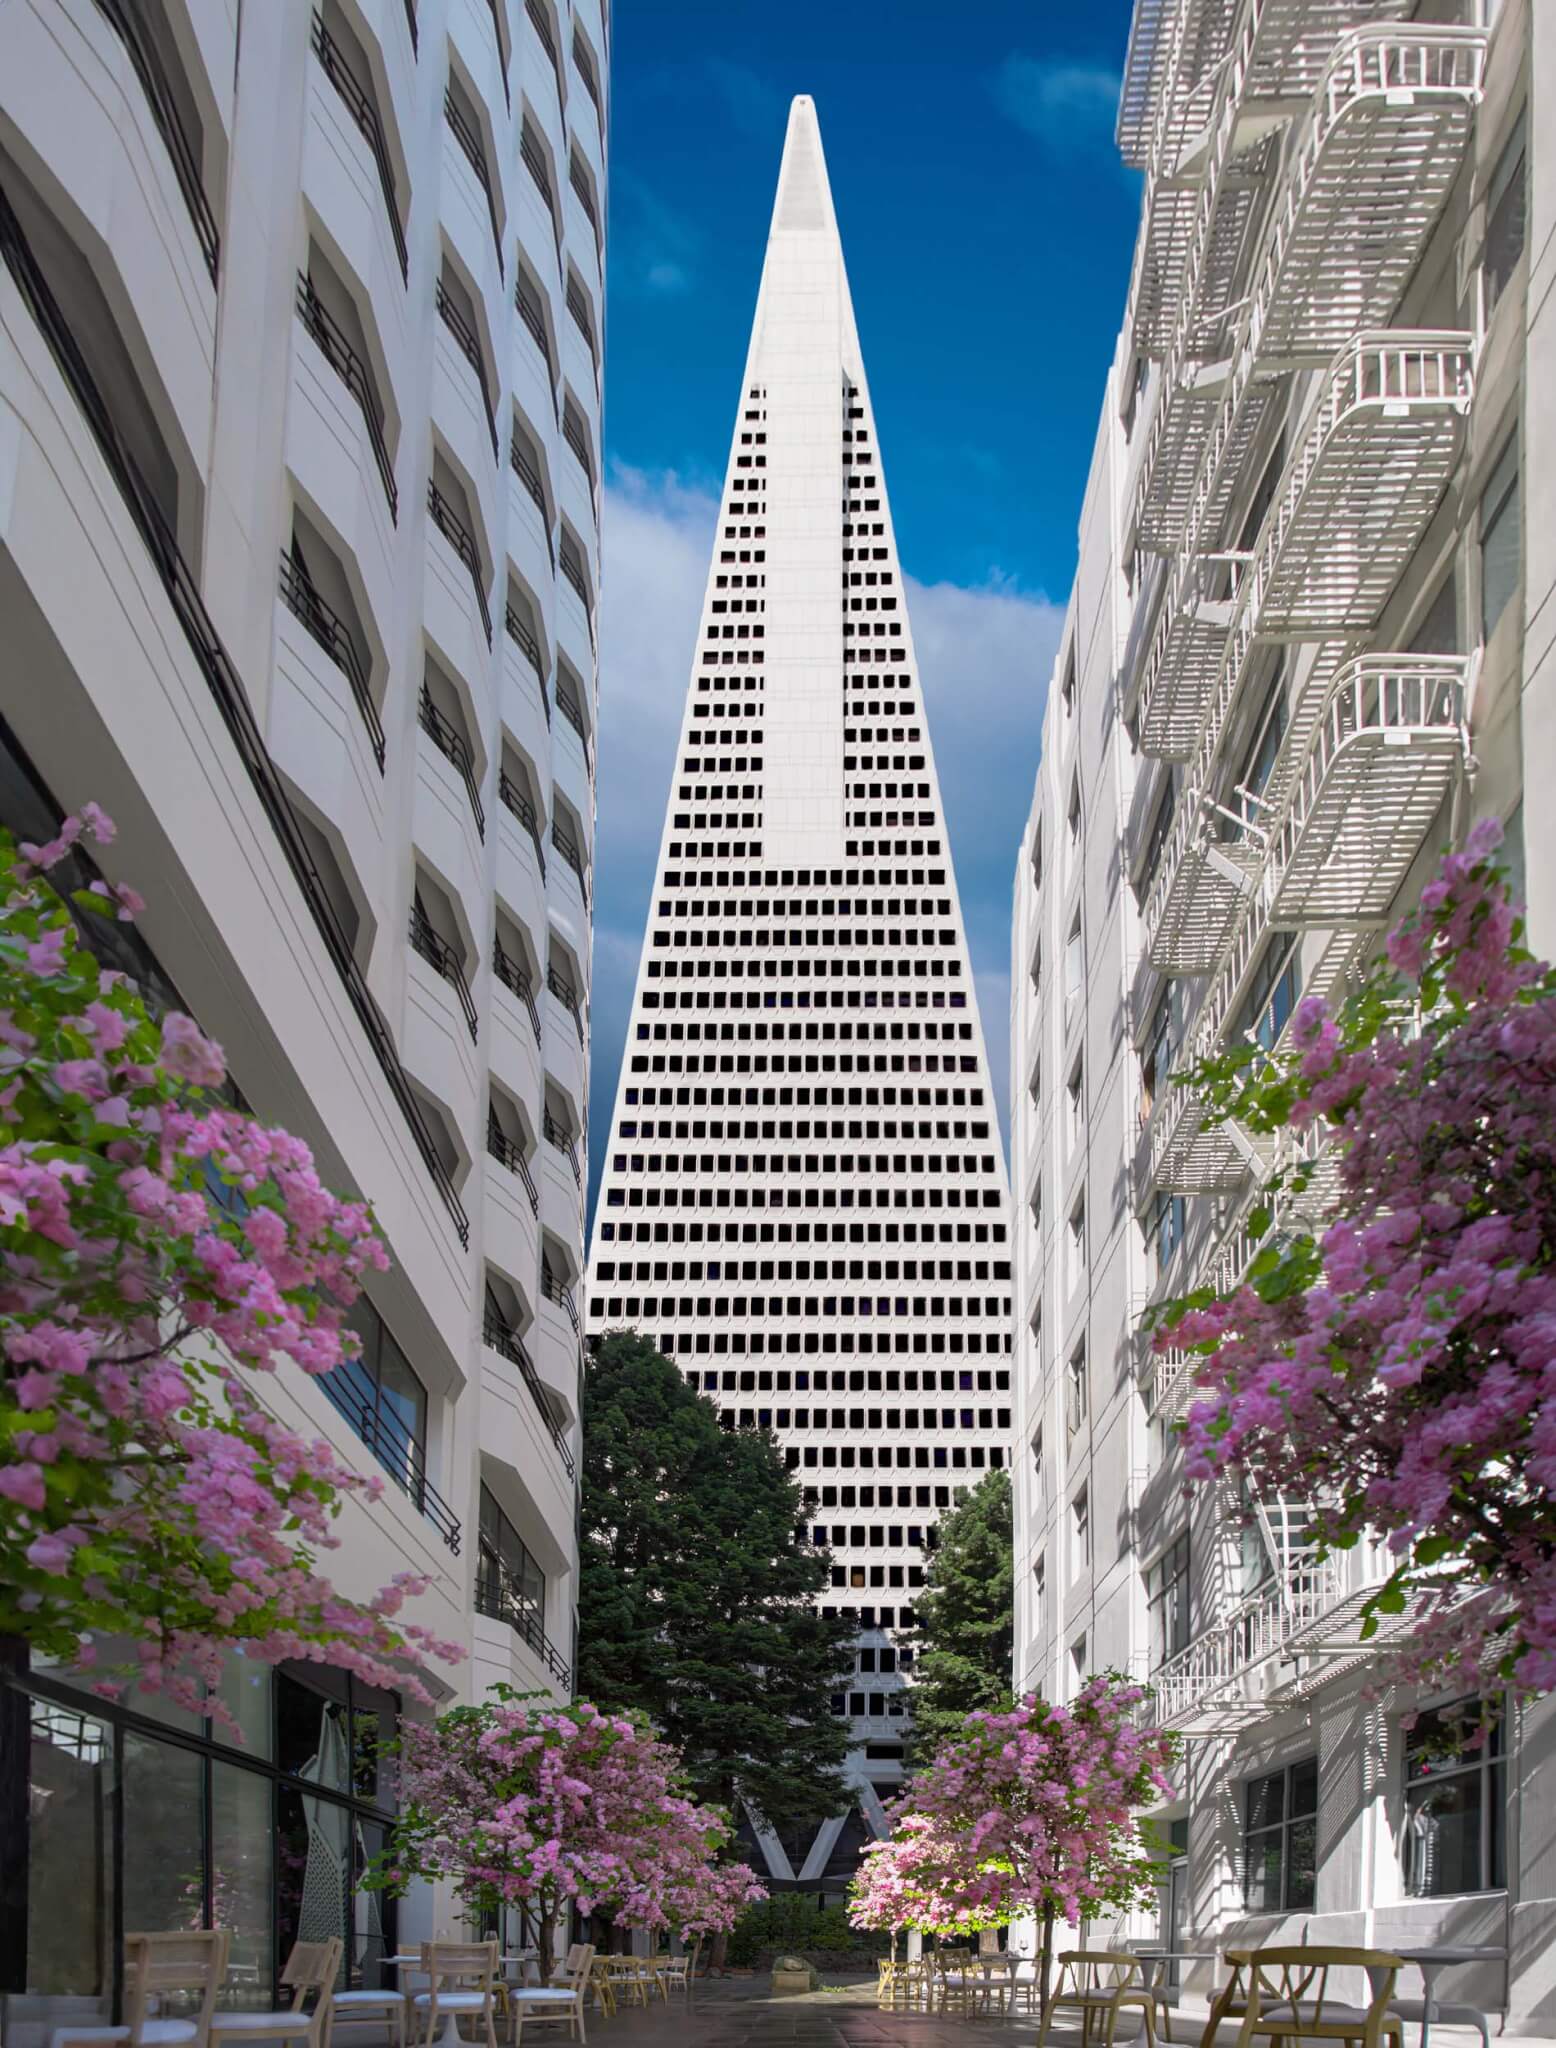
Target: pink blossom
[188, 1053]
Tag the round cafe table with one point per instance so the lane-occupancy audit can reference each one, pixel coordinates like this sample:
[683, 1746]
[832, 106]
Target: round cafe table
[450, 2036]
[1429, 1961]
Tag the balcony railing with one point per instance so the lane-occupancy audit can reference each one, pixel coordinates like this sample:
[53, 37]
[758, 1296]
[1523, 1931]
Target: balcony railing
[514, 800]
[585, 70]
[499, 1596]
[442, 958]
[529, 476]
[1180, 671]
[508, 971]
[465, 341]
[354, 374]
[572, 711]
[509, 1153]
[449, 524]
[326, 627]
[1201, 884]
[361, 107]
[502, 50]
[454, 747]
[573, 572]
[510, 1345]
[559, 1136]
[1210, 1687]
[225, 686]
[556, 1290]
[529, 646]
[547, 41]
[528, 305]
[580, 184]
[573, 434]
[470, 147]
[1388, 744]
[567, 996]
[125, 21]
[578, 306]
[534, 162]
[402, 1455]
[567, 846]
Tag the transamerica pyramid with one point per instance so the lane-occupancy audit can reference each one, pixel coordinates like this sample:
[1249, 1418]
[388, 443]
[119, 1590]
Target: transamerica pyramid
[803, 1202]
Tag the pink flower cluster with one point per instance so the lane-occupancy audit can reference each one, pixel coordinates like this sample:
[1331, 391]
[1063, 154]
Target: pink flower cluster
[517, 1801]
[1030, 1812]
[1397, 1372]
[159, 1251]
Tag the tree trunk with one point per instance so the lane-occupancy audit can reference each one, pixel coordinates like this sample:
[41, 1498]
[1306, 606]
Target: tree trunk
[717, 1954]
[1045, 1962]
[547, 1944]
[691, 1967]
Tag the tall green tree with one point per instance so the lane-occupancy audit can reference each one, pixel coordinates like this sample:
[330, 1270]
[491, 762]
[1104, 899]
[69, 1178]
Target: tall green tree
[698, 1593]
[965, 1635]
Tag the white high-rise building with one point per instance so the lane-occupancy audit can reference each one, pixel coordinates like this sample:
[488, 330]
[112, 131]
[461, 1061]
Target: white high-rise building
[1307, 647]
[300, 358]
[803, 1202]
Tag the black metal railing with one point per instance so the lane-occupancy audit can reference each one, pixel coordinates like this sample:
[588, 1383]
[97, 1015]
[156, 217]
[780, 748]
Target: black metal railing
[516, 801]
[499, 1596]
[226, 687]
[572, 568]
[457, 325]
[403, 1456]
[343, 359]
[448, 523]
[578, 306]
[470, 144]
[535, 163]
[502, 53]
[513, 977]
[528, 644]
[326, 626]
[572, 711]
[527, 302]
[441, 957]
[529, 476]
[585, 69]
[567, 996]
[410, 23]
[580, 184]
[561, 1137]
[537, 15]
[510, 1344]
[567, 846]
[573, 434]
[453, 746]
[155, 84]
[555, 1290]
[364, 111]
[509, 1153]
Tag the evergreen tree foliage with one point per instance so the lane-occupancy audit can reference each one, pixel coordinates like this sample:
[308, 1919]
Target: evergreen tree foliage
[698, 1589]
[965, 1635]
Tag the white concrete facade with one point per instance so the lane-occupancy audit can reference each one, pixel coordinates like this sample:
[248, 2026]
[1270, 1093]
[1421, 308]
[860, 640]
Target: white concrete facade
[818, 915]
[300, 395]
[1305, 651]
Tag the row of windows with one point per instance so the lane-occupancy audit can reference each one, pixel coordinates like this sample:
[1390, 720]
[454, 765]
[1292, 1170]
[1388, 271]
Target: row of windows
[809, 878]
[874, 1536]
[814, 1343]
[702, 1307]
[851, 1382]
[874, 1617]
[816, 939]
[805, 1269]
[743, 968]
[889, 1457]
[748, 1233]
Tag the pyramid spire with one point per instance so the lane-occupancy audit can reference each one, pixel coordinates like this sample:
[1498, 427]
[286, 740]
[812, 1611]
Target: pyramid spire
[803, 1202]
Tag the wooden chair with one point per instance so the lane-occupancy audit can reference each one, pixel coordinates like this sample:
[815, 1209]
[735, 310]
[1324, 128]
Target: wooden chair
[557, 2004]
[383, 2008]
[1289, 1999]
[1099, 1984]
[673, 1973]
[156, 1965]
[312, 1966]
[461, 1979]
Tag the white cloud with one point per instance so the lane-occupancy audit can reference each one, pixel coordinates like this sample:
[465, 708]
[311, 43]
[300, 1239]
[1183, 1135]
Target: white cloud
[1061, 104]
[984, 656]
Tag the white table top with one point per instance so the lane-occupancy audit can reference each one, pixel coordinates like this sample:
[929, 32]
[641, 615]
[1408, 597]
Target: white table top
[1448, 1953]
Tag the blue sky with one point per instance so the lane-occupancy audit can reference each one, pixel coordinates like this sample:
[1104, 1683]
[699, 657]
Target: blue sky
[987, 224]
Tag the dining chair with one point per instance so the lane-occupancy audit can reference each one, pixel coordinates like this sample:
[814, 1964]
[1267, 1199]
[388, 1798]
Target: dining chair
[557, 2004]
[1289, 1998]
[312, 1967]
[156, 1965]
[461, 1980]
[1099, 1984]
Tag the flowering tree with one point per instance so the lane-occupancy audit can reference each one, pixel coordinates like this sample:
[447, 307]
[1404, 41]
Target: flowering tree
[537, 1805]
[1397, 1371]
[1034, 1812]
[147, 1494]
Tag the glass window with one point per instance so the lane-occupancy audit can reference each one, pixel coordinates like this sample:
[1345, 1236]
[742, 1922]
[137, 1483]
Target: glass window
[1167, 1599]
[1240, 806]
[1455, 1804]
[1280, 1839]
[164, 1834]
[510, 1586]
[1507, 213]
[1501, 539]
[1156, 839]
[69, 1882]
[1164, 1228]
[1158, 1052]
[382, 1398]
[1273, 990]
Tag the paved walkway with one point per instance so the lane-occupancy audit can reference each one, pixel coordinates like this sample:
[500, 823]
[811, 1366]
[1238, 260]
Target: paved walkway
[736, 2012]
